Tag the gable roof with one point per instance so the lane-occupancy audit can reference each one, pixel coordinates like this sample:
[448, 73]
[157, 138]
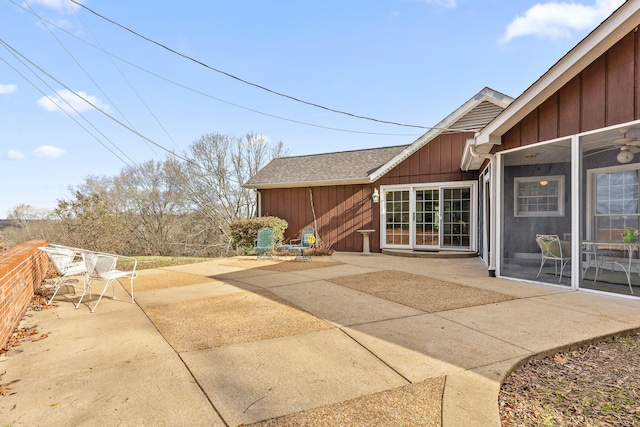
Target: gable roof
[367, 166]
[346, 167]
[471, 116]
[616, 26]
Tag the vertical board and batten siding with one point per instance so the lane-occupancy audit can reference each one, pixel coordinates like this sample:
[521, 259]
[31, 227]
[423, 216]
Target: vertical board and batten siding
[341, 210]
[605, 93]
[437, 161]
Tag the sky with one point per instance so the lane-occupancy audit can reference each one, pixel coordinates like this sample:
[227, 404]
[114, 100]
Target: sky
[87, 89]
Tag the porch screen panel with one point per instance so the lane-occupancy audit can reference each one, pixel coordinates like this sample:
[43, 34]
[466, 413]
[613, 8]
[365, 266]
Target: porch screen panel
[616, 204]
[397, 217]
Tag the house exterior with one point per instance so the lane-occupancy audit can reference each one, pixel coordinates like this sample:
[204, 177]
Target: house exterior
[334, 192]
[561, 159]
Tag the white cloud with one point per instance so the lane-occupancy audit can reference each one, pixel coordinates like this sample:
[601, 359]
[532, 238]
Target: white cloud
[15, 154]
[558, 19]
[60, 5]
[6, 89]
[48, 151]
[70, 102]
[445, 3]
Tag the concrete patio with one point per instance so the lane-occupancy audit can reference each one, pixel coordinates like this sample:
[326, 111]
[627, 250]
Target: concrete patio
[354, 340]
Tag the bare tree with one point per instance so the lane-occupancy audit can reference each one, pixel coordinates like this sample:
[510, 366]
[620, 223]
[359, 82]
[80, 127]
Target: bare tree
[213, 175]
[170, 207]
[27, 223]
[151, 205]
[22, 214]
[89, 221]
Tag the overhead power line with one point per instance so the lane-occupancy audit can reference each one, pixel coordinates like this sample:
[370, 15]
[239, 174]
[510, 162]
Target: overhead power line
[84, 70]
[17, 55]
[199, 92]
[24, 59]
[274, 92]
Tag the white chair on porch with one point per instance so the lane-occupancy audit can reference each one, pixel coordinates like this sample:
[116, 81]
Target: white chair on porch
[553, 249]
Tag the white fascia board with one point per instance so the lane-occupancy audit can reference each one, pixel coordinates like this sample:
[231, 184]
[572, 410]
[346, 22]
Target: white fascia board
[620, 23]
[485, 94]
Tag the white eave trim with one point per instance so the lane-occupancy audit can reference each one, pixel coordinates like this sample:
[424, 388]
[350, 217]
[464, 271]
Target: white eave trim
[620, 23]
[308, 184]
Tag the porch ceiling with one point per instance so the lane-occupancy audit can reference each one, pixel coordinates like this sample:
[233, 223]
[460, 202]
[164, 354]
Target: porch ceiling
[560, 151]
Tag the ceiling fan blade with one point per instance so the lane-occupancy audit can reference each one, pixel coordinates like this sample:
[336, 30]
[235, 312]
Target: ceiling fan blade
[593, 153]
[624, 141]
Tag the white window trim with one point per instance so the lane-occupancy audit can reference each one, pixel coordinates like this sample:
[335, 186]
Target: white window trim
[473, 185]
[559, 212]
[591, 188]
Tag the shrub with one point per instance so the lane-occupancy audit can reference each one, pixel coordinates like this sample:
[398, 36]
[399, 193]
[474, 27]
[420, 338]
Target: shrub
[245, 231]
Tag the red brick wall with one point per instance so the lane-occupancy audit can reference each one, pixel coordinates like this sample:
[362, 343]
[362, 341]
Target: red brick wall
[22, 269]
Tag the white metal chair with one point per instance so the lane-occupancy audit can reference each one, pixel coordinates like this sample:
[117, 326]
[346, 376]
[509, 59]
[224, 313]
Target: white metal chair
[67, 263]
[103, 267]
[553, 249]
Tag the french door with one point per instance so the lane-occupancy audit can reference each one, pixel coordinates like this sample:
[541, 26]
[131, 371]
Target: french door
[430, 217]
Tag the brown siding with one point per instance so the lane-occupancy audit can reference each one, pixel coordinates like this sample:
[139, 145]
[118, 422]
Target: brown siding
[593, 87]
[548, 116]
[605, 93]
[437, 161]
[342, 210]
[569, 120]
[620, 79]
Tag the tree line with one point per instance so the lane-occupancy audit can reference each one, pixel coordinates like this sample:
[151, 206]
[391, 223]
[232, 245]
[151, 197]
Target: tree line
[181, 206]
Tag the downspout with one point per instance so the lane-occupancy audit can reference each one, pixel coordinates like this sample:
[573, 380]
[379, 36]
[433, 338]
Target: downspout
[258, 202]
[492, 205]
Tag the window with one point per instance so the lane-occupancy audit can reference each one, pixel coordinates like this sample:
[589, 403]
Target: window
[616, 204]
[539, 196]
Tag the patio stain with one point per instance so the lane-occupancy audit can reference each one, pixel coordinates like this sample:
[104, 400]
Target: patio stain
[411, 405]
[159, 279]
[420, 292]
[231, 319]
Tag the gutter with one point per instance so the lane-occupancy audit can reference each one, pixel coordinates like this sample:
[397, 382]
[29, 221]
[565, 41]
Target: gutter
[492, 202]
[258, 202]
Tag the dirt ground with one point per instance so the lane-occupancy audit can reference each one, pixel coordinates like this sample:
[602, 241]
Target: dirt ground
[596, 385]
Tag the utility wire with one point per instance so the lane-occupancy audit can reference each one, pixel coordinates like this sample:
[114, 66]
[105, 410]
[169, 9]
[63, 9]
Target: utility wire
[240, 79]
[96, 107]
[86, 73]
[13, 52]
[126, 80]
[209, 95]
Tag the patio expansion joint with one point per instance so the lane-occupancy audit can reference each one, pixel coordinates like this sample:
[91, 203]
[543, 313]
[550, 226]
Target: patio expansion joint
[376, 356]
[373, 322]
[284, 285]
[206, 395]
[195, 380]
[528, 350]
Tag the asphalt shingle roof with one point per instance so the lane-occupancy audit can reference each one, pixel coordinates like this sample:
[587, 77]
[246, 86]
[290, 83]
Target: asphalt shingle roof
[345, 166]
